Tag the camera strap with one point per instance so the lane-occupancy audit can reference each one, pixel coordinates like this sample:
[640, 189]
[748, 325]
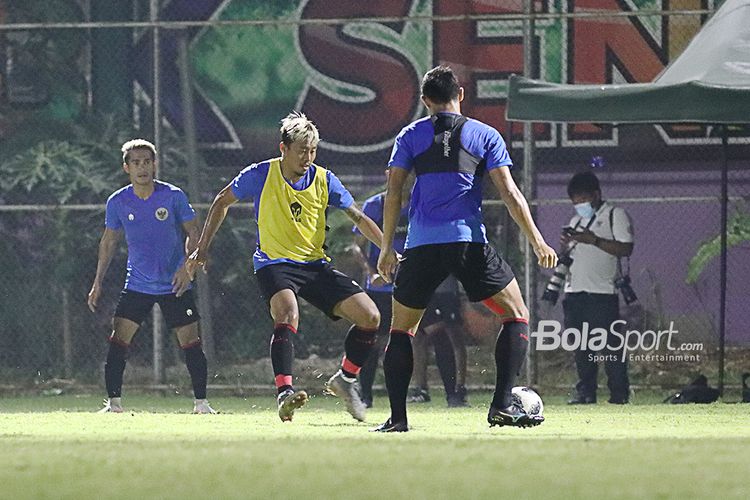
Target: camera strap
[588, 226]
[577, 225]
[619, 259]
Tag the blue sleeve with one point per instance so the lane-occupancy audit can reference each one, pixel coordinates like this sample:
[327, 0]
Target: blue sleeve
[183, 208]
[372, 208]
[338, 195]
[111, 219]
[402, 155]
[249, 182]
[497, 154]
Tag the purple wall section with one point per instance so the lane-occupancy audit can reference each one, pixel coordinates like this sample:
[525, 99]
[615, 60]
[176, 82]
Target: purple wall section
[667, 236]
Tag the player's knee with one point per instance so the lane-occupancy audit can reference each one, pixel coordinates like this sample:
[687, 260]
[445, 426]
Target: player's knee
[520, 311]
[508, 309]
[370, 319]
[515, 310]
[287, 316]
[189, 343]
[118, 338]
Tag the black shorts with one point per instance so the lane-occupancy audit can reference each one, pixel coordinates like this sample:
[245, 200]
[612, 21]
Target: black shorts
[443, 307]
[476, 265]
[319, 284]
[177, 311]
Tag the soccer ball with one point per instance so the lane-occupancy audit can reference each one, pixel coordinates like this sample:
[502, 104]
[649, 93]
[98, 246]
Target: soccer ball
[528, 400]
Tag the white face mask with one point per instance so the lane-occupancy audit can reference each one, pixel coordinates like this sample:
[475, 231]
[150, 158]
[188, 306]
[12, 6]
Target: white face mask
[585, 210]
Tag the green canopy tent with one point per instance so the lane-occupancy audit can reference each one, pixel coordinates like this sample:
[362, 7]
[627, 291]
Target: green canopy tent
[708, 83]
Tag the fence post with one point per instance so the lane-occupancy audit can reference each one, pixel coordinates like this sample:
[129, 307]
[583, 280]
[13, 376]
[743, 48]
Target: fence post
[194, 186]
[158, 354]
[67, 333]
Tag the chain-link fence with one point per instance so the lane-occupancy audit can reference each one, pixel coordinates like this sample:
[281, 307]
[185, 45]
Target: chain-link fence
[80, 77]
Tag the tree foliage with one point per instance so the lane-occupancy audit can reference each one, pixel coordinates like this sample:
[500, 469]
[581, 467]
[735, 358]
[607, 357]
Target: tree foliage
[738, 232]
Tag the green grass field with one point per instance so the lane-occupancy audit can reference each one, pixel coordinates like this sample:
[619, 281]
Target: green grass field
[55, 447]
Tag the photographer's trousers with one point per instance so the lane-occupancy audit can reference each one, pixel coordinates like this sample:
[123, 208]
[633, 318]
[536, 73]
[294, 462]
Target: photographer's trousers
[599, 311]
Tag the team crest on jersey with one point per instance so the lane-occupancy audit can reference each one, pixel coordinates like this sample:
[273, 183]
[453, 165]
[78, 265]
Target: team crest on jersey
[161, 213]
[131, 217]
[296, 209]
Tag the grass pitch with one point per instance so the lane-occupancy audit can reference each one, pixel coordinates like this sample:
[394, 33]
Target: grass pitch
[57, 448]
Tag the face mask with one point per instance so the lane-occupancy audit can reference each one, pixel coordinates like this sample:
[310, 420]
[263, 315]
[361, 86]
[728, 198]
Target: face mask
[585, 210]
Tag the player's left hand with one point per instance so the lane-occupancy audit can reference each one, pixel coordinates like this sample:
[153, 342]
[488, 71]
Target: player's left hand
[546, 255]
[181, 281]
[376, 280]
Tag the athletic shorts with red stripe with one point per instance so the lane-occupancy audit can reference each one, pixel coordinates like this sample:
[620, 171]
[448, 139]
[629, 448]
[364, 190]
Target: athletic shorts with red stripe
[477, 266]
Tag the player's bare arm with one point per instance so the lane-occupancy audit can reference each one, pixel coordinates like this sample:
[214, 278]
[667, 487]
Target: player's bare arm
[107, 246]
[391, 211]
[519, 210]
[365, 224]
[216, 214]
[182, 278]
[360, 255]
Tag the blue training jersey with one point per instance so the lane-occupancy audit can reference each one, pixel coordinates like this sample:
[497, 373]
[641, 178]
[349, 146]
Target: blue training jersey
[153, 231]
[373, 208]
[446, 203]
[248, 185]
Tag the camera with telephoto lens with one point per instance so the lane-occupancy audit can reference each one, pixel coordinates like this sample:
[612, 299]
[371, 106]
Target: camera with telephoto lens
[623, 284]
[552, 291]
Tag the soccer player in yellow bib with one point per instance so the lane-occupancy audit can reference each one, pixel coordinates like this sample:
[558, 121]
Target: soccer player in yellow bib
[291, 195]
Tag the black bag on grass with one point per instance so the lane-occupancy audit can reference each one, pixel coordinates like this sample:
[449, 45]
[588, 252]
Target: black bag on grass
[697, 392]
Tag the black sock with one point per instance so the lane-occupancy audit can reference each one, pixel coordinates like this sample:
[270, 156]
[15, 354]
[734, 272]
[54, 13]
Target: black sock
[398, 364]
[445, 359]
[114, 368]
[510, 353]
[195, 360]
[282, 356]
[367, 374]
[357, 346]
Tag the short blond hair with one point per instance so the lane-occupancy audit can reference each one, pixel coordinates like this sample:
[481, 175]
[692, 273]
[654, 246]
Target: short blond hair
[297, 127]
[137, 144]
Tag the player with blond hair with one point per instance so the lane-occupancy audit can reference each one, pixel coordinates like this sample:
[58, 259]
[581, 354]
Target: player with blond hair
[291, 195]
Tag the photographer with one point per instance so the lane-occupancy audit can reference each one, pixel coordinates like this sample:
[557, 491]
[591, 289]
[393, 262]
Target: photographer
[598, 236]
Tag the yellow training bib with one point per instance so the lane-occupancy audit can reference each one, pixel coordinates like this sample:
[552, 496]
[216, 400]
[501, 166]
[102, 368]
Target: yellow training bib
[291, 223]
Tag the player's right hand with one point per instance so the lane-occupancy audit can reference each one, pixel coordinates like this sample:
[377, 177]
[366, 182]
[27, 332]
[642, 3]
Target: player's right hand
[194, 261]
[181, 281]
[387, 263]
[546, 255]
[93, 297]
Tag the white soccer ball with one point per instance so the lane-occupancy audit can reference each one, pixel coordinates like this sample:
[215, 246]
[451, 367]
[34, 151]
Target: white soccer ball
[528, 400]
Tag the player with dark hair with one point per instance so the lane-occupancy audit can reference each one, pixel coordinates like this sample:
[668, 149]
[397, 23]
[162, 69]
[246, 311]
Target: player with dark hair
[451, 154]
[291, 195]
[153, 216]
[442, 314]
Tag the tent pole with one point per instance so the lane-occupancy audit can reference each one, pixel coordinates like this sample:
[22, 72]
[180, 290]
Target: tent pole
[723, 264]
